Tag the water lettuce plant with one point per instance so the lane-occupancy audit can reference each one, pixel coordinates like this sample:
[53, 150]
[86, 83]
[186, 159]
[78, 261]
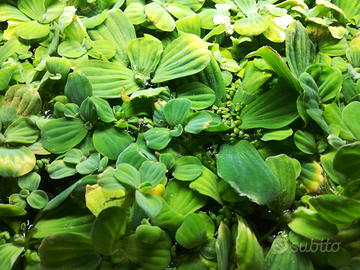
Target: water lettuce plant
[185, 134]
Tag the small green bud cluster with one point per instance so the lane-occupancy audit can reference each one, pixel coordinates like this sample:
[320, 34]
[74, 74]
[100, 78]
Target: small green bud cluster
[226, 215]
[4, 236]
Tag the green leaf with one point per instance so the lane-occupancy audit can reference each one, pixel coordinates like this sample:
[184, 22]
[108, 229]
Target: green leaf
[200, 95]
[353, 54]
[327, 79]
[59, 169]
[311, 225]
[187, 168]
[179, 10]
[210, 231]
[212, 77]
[68, 218]
[37, 199]
[159, 17]
[248, 7]
[198, 122]
[78, 88]
[144, 55]
[127, 174]
[71, 110]
[20, 100]
[16, 162]
[274, 109]
[311, 99]
[351, 9]
[167, 217]
[58, 66]
[106, 4]
[176, 111]
[351, 122]
[106, 48]
[8, 210]
[34, 9]
[75, 249]
[332, 46]
[148, 234]
[305, 141]
[32, 30]
[189, 25]
[223, 246]
[136, 13]
[185, 56]
[60, 198]
[10, 12]
[6, 72]
[22, 130]
[88, 166]
[150, 256]
[346, 162]
[30, 181]
[254, 78]
[9, 253]
[273, 59]
[108, 227]
[248, 252]
[71, 49]
[66, 18]
[247, 173]
[107, 79]
[108, 181]
[168, 160]
[216, 31]
[157, 138]
[207, 184]
[88, 111]
[103, 109]
[111, 141]
[182, 199]
[300, 51]
[229, 194]
[281, 255]
[60, 135]
[192, 231]
[252, 26]
[152, 172]
[118, 29]
[134, 158]
[177, 131]
[149, 203]
[9, 48]
[284, 169]
[206, 18]
[74, 156]
[92, 22]
[277, 134]
[338, 210]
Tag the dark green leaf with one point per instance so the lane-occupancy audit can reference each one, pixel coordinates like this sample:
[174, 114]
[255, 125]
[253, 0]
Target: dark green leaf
[111, 141]
[150, 256]
[311, 225]
[247, 173]
[75, 249]
[108, 227]
[300, 51]
[60, 135]
[192, 231]
[274, 109]
[187, 168]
